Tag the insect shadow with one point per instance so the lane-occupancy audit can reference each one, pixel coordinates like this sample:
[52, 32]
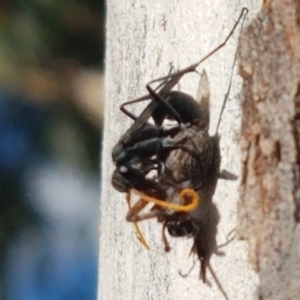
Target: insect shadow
[185, 160]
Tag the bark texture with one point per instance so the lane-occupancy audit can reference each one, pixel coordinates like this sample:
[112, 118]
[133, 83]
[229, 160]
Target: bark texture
[269, 206]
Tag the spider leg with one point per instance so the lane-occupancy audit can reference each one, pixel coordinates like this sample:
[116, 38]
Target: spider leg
[137, 228]
[192, 68]
[164, 238]
[217, 281]
[226, 175]
[229, 238]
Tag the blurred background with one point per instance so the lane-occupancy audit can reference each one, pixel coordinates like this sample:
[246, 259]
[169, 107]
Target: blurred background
[51, 93]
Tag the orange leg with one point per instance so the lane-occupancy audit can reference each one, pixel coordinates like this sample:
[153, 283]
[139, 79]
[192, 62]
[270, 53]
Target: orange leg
[164, 238]
[136, 226]
[185, 193]
[132, 217]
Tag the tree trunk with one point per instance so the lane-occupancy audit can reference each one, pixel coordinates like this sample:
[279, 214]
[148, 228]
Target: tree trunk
[269, 208]
[143, 37]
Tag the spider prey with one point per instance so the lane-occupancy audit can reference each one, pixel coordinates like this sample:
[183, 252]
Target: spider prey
[184, 158]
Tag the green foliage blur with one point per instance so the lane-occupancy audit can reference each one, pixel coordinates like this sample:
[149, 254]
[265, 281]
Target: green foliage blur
[51, 57]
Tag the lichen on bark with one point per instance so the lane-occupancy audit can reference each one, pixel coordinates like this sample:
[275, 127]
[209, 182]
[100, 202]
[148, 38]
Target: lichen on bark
[269, 205]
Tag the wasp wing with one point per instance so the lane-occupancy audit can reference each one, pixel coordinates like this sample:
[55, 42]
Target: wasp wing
[203, 95]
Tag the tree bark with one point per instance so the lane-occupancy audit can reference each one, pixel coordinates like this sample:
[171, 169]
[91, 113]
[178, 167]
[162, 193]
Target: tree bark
[269, 207]
[143, 37]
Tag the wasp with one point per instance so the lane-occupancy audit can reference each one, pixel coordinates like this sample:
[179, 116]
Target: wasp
[184, 158]
[144, 146]
[189, 180]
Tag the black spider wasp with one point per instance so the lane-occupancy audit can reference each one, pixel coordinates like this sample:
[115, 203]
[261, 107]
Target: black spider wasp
[186, 161]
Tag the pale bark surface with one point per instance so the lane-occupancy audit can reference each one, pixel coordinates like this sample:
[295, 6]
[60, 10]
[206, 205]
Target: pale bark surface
[269, 207]
[143, 37]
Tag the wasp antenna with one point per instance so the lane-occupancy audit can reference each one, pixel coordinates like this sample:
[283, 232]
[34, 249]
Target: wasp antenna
[163, 203]
[195, 198]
